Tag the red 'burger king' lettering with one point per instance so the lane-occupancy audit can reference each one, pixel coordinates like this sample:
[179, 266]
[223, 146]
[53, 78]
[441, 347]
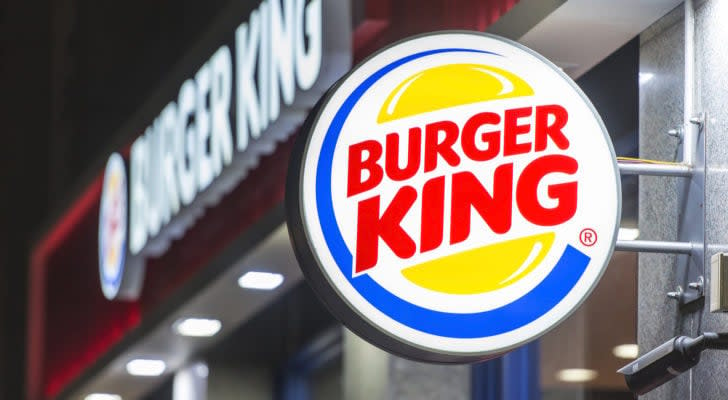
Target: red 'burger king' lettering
[391, 164]
[375, 221]
[372, 150]
[433, 214]
[565, 193]
[445, 141]
[468, 193]
[553, 131]
[434, 146]
[512, 130]
[492, 139]
[441, 143]
[371, 226]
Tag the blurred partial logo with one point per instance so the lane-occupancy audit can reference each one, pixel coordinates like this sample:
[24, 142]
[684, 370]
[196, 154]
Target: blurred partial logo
[113, 226]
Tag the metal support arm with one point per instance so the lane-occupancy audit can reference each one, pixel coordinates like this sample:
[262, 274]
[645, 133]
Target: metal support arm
[655, 246]
[679, 170]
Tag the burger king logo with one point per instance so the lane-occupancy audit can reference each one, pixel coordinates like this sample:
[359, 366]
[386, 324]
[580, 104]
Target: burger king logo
[112, 226]
[456, 195]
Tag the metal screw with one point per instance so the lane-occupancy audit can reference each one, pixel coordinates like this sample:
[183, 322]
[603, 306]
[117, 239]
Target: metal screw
[676, 295]
[697, 285]
[677, 132]
[697, 120]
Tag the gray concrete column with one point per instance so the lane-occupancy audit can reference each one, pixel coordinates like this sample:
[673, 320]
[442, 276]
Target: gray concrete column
[661, 108]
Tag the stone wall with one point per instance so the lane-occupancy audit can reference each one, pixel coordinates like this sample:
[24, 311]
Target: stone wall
[661, 109]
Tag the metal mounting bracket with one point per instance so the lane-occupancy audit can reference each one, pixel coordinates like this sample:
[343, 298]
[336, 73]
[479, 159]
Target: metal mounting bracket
[691, 226]
[690, 247]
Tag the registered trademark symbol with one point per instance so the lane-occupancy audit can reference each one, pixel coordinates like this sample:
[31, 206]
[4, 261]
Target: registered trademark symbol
[588, 237]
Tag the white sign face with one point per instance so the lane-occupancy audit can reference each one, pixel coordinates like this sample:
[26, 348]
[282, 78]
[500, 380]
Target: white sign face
[112, 226]
[456, 196]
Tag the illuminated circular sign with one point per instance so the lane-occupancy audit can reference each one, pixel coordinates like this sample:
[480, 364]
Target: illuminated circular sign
[113, 227]
[454, 196]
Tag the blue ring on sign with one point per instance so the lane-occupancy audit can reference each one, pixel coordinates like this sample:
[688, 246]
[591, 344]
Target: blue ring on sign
[531, 306]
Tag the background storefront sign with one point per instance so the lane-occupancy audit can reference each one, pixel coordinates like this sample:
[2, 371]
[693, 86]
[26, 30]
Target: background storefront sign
[236, 107]
[453, 197]
[112, 226]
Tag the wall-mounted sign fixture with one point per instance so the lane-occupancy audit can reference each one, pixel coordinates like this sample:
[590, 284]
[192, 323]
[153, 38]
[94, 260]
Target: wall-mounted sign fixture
[113, 226]
[454, 196]
[251, 93]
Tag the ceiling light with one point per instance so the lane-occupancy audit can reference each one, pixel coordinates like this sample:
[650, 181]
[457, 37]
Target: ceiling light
[576, 375]
[628, 234]
[102, 396]
[627, 351]
[144, 367]
[260, 280]
[645, 77]
[197, 327]
[202, 370]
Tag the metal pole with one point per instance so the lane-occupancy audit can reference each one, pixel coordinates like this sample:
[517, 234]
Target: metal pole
[654, 246]
[680, 170]
[691, 122]
[690, 130]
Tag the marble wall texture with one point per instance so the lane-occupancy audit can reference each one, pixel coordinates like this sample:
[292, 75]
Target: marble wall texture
[661, 109]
